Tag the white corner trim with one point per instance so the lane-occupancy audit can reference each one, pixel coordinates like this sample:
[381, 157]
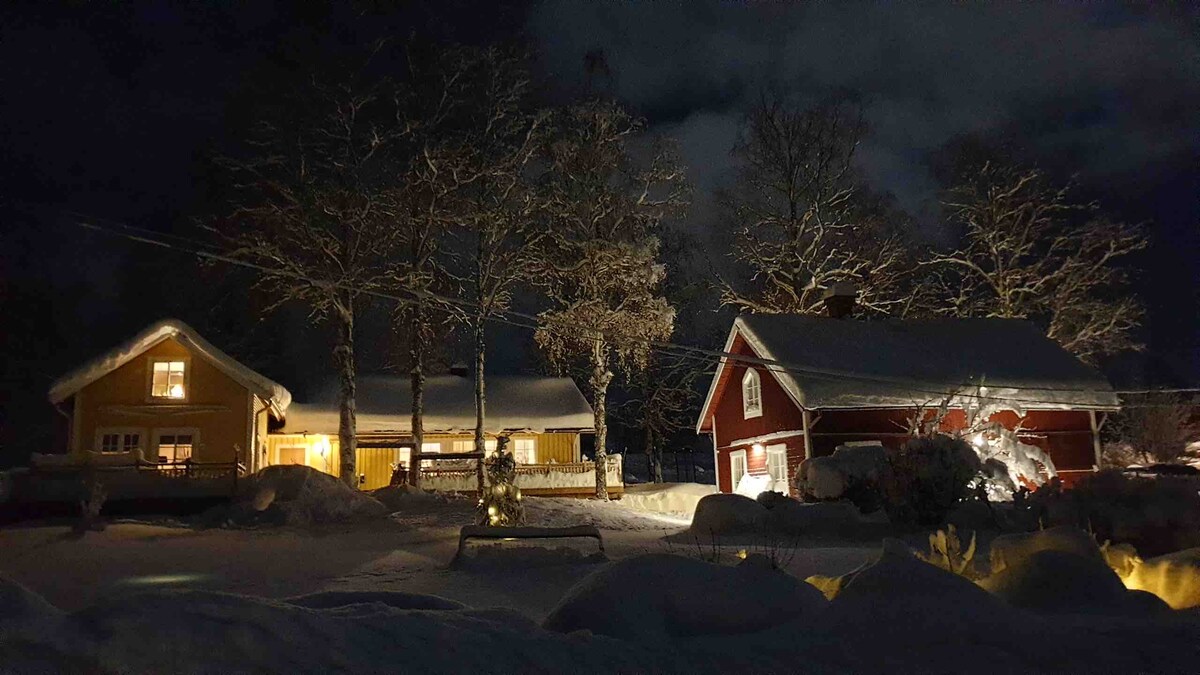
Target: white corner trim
[712, 387]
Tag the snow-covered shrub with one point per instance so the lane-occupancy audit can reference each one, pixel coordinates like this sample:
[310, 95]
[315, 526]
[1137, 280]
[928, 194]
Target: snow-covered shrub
[296, 495]
[1174, 577]
[657, 597]
[1155, 515]
[851, 472]
[1010, 550]
[90, 506]
[927, 477]
[728, 514]
[1060, 582]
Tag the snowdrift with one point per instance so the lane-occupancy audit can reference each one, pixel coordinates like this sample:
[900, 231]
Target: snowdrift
[657, 597]
[669, 498]
[296, 495]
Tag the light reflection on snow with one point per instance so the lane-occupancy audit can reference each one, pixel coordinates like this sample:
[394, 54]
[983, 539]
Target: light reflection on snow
[163, 579]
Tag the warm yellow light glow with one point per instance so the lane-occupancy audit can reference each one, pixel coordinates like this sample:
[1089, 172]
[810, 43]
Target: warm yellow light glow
[742, 554]
[758, 448]
[491, 510]
[176, 391]
[322, 446]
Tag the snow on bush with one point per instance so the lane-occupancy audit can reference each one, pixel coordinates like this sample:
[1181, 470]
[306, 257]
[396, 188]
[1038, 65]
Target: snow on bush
[1156, 515]
[670, 498]
[728, 514]
[927, 478]
[657, 597]
[1060, 582]
[1174, 577]
[852, 472]
[298, 495]
[1011, 550]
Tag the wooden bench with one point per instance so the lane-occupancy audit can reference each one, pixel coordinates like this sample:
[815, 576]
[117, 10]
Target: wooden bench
[525, 532]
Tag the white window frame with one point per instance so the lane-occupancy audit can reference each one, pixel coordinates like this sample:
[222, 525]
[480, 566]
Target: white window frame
[187, 379]
[181, 431]
[101, 432]
[751, 394]
[532, 449]
[781, 452]
[734, 476]
[293, 446]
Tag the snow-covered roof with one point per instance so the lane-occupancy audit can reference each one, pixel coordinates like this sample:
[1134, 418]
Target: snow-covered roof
[514, 403]
[826, 363]
[270, 391]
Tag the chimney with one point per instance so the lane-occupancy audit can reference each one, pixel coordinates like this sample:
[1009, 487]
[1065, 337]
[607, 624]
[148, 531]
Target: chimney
[840, 298]
[459, 368]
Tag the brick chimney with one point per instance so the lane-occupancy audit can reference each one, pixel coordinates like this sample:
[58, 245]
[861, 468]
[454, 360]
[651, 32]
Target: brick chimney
[840, 299]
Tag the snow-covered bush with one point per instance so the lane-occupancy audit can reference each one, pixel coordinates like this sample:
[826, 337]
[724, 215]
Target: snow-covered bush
[728, 514]
[1174, 577]
[657, 597]
[1155, 515]
[851, 472]
[927, 477]
[1060, 582]
[296, 495]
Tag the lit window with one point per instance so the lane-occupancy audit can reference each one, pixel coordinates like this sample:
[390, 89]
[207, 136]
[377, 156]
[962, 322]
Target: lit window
[525, 451]
[174, 448]
[117, 442]
[168, 379]
[751, 394]
[464, 446]
[777, 466]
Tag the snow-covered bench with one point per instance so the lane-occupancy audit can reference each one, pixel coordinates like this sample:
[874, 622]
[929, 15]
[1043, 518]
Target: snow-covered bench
[510, 533]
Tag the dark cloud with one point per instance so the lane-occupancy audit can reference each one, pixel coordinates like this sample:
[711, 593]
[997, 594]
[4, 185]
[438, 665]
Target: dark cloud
[1098, 89]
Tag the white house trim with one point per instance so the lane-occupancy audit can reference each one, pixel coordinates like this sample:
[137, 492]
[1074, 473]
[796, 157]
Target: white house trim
[761, 354]
[765, 438]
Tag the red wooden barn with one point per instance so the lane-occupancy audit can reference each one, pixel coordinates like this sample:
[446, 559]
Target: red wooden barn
[808, 384]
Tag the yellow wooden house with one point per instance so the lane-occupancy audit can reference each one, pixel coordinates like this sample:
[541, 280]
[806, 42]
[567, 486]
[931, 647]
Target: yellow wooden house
[166, 397]
[542, 416]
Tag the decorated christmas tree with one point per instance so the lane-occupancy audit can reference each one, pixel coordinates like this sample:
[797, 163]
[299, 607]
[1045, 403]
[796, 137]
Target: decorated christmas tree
[500, 503]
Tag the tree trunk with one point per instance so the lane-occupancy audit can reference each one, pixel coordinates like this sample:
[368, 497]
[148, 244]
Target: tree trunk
[343, 354]
[601, 376]
[480, 400]
[417, 384]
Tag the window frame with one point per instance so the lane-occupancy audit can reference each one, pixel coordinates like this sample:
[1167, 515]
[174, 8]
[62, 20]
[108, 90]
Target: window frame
[101, 432]
[733, 457]
[187, 379]
[532, 449]
[751, 378]
[779, 450]
[194, 432]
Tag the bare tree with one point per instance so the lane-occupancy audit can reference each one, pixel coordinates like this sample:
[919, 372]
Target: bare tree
[494, 213]
[1156, 427]
[598, 261]
[663, 403]
[802, 221]
[312, 208]
[1030, 252]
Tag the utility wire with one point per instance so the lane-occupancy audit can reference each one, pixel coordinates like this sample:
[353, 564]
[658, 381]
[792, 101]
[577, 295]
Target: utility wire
[532, 322]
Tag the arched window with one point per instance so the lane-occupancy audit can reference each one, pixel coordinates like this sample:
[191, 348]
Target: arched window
[751, 394]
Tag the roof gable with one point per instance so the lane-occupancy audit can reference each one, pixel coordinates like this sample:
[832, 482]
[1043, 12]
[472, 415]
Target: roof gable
[278, 397]
[737, 343]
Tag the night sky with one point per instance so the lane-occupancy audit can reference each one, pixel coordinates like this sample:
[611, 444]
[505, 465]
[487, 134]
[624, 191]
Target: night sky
[111, 109]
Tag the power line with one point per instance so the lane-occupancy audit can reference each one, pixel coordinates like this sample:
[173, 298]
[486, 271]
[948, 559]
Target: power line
[532, 322]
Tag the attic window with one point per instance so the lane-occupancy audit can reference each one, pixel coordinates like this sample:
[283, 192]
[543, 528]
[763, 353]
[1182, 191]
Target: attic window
[751, 394]
[169, 380]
